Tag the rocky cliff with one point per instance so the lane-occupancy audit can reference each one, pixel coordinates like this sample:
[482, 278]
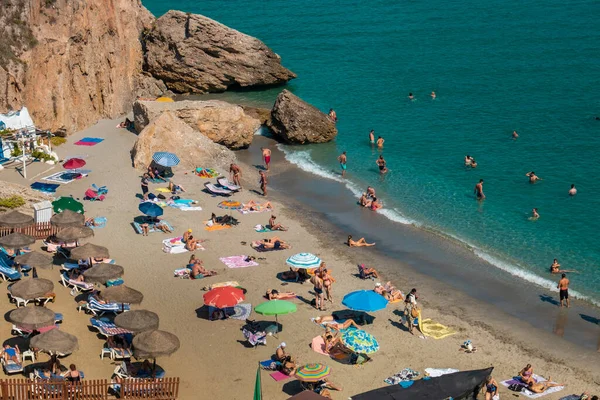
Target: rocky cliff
[295, 121]
[223, 123]
[169, 133]
[71, 62]
[194, 54]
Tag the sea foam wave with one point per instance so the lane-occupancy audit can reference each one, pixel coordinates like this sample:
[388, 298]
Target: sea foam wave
[303, 160]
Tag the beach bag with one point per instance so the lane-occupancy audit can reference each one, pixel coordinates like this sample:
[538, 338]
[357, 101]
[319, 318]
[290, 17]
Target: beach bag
[415, 312]
[515, 387]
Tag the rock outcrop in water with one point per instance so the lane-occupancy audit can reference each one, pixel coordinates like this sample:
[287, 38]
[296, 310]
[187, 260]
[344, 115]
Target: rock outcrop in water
[71, 62]
[169, 133]
[195, 54]
[295, 121]
[223, 123]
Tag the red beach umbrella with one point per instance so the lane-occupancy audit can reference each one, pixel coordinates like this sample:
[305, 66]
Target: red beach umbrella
[222, 297]
[74, 163]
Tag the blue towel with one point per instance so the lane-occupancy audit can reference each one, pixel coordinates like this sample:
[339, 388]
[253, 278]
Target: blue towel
[406, 384]
[91, 140]
[45, 187]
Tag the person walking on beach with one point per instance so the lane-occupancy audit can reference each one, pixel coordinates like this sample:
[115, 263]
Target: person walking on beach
[573, 190]
[263, 182]
[144, 184]
[342, 159]
[318, 288]
[410, 304]
[533, 178]
[266, 153]
[236, 174]
[563, 289]
[479, 190]
[372, 136]
[381, 164]
[380, 142]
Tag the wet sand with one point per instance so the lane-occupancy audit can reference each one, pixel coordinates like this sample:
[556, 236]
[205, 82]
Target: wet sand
[214, 361]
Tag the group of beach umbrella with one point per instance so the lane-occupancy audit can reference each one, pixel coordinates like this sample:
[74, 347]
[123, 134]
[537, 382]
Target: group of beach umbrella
[148, 341]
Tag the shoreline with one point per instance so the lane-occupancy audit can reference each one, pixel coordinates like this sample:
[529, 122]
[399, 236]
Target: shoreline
[432, 255]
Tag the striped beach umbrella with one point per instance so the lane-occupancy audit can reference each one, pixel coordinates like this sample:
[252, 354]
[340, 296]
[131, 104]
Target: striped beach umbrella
[304, 260]
[360, 341]
[312, 372]
[230, 205]
[364, 300]
[165, 159]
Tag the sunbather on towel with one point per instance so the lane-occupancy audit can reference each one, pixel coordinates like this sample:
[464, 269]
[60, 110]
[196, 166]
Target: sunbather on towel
[199, 272]
[274, 294]
[191, 244]
[388, 291]
[274, 226]
[330, 321]
[274, 243]
[333, 343]
[541, 387]
[358, 243]
[11, 353]
[175, 188]
[162, 226]
[255, 206]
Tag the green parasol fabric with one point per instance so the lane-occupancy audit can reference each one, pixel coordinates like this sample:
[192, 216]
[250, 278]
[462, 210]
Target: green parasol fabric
[67, 203]
[276, 307]
[360, 341]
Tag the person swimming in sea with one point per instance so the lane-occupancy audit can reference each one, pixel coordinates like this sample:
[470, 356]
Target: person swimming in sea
[479, 190]
[381, 164]
[411, 97]
[473, 163]
[468, 160]
[555, 268]
[515, 135]
[433, 96]
[534, 214]
[573, 190]
[342, 159]
[380, 141]
[372, 136]
[533, 178]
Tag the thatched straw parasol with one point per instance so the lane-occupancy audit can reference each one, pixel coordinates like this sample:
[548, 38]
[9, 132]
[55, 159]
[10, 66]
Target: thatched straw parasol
[55, 342]
[32, 317]
[137, 321]
[89, 251]
[122, 294]
[100, 273]
[15, 219]
[16, 240]
[68, 218]
[29, 289]
[155, 344]
[74, 233]
[35, 259]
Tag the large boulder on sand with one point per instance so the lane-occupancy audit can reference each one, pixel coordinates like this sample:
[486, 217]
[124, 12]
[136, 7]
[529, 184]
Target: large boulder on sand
[222, 122]
[295, 121]
[167, 132]
[195, 54]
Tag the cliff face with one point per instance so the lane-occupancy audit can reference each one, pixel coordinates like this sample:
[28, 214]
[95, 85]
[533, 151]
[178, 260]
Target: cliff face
[71, 62]
[195, 54]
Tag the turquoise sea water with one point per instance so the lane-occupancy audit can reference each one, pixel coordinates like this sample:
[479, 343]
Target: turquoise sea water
[496, 66]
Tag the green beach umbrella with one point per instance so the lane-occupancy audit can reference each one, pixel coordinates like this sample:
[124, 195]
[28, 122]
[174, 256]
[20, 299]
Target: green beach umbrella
[257, 385]
[67, 203]
[276, 307]
[360, 341]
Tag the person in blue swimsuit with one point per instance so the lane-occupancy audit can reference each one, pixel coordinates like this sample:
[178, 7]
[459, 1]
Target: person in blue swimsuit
[491, 388]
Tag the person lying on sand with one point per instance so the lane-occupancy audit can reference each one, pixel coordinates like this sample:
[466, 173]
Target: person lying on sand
[274, 226]
[255, 206]
[162, 226]
[333, 343]
[274, 294]
[336, 326]
[526, 374]
[174, 188]
[388, 291]
[274, 243]
[358, 243]
[541, 387]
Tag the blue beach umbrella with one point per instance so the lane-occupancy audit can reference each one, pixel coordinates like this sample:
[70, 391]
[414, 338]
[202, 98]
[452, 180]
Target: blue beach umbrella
[303, 260]
[165, 159]
[364, 300]
[150, 209]
[360, 341]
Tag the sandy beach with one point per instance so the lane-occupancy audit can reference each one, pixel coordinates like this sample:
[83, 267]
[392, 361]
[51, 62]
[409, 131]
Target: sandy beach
[213, 361]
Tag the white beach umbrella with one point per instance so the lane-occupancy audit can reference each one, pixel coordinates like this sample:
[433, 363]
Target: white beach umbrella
[304, 260]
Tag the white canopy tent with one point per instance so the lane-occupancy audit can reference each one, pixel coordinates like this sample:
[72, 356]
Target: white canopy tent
[16, 120]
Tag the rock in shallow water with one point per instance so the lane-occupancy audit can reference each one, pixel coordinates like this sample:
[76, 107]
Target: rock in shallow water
[195, 54]
[295, 121]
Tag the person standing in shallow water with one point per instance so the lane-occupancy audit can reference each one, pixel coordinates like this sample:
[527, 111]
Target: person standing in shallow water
[563, 289]
[573, 190]
[479, 190]
[380, 141]
[342, 159]
[372, 136]
[381, 164]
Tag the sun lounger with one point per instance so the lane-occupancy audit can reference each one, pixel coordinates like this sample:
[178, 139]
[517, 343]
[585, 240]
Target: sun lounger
[77, 287]
[12, 367]
[225, 183]
[151, 228]
[9, 274]
[15, 330]
[99, 189]
[95, 307]
[107, 328]
[18, 301]
[218, 191]
[43, 300]
[92, 195]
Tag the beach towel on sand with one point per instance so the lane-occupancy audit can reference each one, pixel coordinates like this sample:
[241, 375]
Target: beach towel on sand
[176, 246]
[434, 329]
[221, 284]
[526, 392]
[242, 311]
[45, 187]
[238, 262]
[279, 376]
[216, 227]
[89, 141]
